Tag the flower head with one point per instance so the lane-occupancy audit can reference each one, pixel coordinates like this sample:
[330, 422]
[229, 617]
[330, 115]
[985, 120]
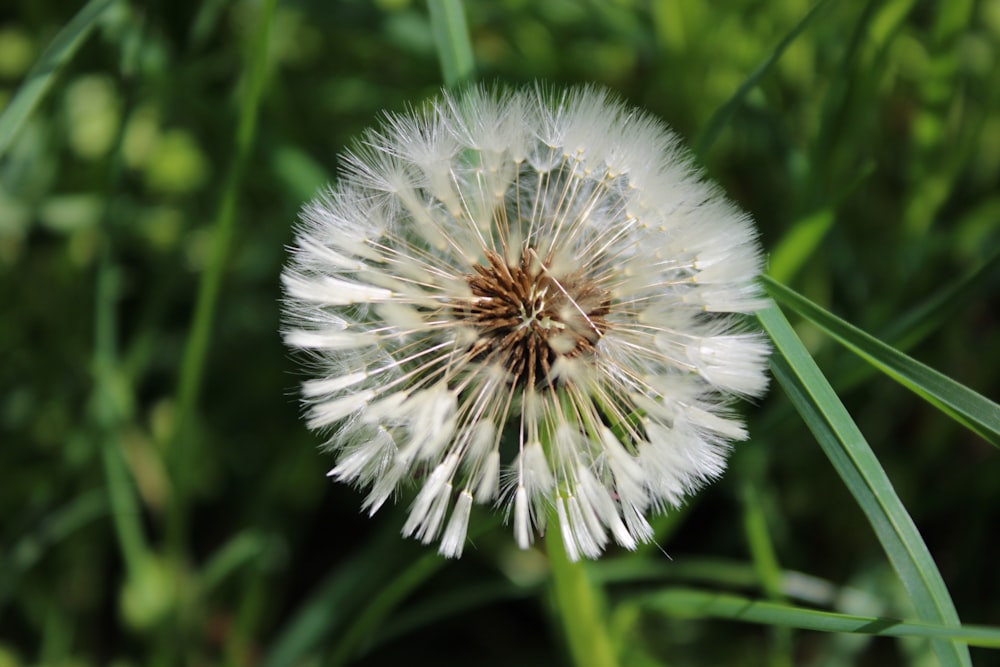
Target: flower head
[526, 299]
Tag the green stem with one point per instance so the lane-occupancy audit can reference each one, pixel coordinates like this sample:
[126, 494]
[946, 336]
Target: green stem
[451, 36]
[208, 293]
[579, 606]
[199, 337]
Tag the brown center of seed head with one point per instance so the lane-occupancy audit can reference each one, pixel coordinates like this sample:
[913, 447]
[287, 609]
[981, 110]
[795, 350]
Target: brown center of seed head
[527, 317]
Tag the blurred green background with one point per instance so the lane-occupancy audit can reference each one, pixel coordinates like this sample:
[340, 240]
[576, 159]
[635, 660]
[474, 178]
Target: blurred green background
[868, 152]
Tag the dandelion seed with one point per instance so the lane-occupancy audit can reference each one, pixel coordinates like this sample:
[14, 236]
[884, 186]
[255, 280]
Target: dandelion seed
[526, 299]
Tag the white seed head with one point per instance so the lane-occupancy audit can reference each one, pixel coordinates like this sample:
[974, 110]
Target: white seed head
[530, 299]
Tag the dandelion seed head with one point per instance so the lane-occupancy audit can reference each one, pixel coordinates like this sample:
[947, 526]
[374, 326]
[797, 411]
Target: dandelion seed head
[527, 299]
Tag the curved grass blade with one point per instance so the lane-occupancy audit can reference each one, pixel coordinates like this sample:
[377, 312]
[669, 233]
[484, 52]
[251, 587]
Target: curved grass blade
[223, 230]
[44, 72]
[248, 548]
[730, 574]
[431, 611]
[759, 542]
[804, 237]
[765, 562]
[46, 534]
[691, 603]
[922, 320]
[391, 591]
[451, 36]
[719, 119]
[859, 468]
[355, 600]
[346, 589]
[965, 406]
[385, 601]
[798, 245]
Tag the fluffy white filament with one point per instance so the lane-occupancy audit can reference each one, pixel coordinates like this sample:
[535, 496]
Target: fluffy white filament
[527, 299]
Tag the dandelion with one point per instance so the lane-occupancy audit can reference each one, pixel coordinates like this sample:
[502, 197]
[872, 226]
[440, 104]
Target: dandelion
[528, 300]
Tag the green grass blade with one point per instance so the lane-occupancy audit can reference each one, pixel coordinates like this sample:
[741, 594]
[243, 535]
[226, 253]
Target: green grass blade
[798, 245]
[381, 605]
[729, 574]
[759, 542]
[223, 229]
[336, 598]
[806, 234]
[859, 468]
[969, 408]
[51, 530]
[926, 317]
[354, 601]
[451, 603]
[247, 548]
[210, 287]
[44, 72]
[451, 36]
[721, 117]
[765, 562]
[840, 104]
[691, 603]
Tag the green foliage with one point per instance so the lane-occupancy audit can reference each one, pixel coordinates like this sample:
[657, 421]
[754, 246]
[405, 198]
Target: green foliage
[161, 502]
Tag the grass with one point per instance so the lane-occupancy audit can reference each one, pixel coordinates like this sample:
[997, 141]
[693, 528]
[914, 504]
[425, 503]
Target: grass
[162, 503]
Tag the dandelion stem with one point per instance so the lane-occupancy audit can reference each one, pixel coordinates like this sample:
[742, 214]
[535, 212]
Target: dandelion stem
[451, 35]
[578, 605]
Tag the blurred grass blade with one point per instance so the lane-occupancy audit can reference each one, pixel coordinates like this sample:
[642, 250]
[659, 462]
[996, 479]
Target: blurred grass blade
[451, 37]
[46, 534]
[335, 599]
[806, 234]
[381, 604]
[959, 402]
[765, 561]
[798, 245]
[721, 117]
[926, 317]
[210, 286]
[690, 603]
[730, 574]
[249, 547]
[759, 542]
[841, 103]
[859, 468]
[451, 603]
[391, 591]
[44, 72]
[351, 603]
